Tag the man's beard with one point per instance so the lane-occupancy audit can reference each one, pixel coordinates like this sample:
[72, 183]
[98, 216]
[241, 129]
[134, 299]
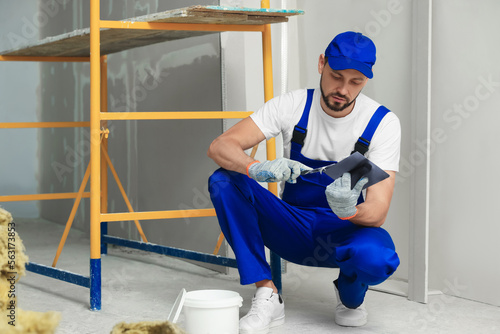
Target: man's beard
[336, 106]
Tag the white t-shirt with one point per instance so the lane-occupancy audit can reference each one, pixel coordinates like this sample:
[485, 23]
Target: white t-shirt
[329, 138]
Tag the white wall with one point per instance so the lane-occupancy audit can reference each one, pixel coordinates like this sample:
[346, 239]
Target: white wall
[464, 247]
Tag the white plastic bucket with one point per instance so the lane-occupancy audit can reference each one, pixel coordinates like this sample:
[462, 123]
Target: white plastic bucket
[212, 312]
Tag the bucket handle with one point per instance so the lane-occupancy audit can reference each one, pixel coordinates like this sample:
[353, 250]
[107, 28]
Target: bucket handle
[177, 307]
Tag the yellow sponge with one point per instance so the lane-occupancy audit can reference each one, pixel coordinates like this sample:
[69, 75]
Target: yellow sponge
[147, 327]
[12, 256]
[6, 295]
[12, 267]
[30, 322]
[5, 217]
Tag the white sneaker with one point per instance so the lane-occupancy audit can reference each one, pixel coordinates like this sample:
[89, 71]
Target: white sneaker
[267, 311]
[349, 317]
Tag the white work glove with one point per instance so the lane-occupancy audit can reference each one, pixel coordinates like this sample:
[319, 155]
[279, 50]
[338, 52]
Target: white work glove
[342, 199]
[281, 169]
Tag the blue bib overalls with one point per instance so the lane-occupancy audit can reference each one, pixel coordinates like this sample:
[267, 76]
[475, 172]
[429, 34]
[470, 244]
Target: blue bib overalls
[301, 228]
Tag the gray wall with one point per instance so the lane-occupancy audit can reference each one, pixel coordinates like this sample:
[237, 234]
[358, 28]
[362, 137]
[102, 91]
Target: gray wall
[19, 86]
[162, 164]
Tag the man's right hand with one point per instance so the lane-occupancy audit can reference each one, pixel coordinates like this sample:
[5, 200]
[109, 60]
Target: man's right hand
[281, 169]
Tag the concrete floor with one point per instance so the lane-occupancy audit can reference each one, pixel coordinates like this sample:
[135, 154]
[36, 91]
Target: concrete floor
[139, 286]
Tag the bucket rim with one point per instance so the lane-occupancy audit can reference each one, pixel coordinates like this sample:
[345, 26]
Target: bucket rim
[230, 299]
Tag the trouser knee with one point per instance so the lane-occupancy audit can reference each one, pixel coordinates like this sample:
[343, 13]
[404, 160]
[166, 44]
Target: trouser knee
[220, 180]
[370, 263]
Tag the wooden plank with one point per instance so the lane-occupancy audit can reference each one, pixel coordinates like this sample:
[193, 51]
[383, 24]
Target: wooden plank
[76, 43]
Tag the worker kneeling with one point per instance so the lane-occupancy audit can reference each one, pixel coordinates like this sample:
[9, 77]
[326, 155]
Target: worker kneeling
[319, 127]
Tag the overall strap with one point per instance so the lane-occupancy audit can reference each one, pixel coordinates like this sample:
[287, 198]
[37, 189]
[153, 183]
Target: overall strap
[300, 130]
[363, 142]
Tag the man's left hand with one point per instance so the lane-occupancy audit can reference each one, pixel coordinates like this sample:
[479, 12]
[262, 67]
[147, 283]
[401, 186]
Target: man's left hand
[342, 199]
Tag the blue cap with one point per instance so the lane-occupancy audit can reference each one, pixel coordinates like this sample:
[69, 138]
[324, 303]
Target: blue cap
[352, 50]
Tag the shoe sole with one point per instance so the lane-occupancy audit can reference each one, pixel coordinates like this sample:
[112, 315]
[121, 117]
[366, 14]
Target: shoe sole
[274, 323]
[277, 322]
[351, 323]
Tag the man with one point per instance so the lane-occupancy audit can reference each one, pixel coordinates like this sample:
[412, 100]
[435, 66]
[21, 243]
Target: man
[319, 127]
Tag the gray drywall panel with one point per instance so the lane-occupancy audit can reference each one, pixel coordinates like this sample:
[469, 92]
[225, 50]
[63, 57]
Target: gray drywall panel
[19, 84]
[162, 164]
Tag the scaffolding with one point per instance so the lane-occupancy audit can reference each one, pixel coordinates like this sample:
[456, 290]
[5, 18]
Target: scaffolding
[105, 37]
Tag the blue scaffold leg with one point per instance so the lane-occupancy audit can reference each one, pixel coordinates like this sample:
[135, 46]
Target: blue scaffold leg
[95, 284]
